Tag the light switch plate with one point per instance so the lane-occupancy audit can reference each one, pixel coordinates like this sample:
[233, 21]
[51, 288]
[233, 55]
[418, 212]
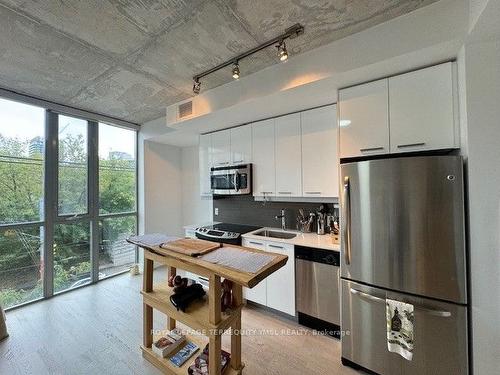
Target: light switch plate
[216, 212]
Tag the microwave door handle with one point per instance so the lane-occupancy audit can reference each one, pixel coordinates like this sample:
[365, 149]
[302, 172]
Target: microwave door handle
[346, 227]
[236, 181]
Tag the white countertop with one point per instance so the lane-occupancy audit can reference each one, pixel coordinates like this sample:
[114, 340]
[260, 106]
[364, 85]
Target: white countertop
[302, 239]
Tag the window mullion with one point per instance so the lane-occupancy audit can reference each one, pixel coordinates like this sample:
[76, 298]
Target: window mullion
[50, 200]
[93, 181]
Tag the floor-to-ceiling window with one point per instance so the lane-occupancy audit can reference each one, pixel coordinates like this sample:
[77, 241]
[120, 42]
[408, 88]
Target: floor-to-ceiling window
[117, 198]
[22, 140]
[67, 184]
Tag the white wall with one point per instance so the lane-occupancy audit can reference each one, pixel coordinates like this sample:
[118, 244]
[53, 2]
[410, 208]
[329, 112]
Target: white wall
[195, 209]
[160, 196]
[169, 188]
[482, 74]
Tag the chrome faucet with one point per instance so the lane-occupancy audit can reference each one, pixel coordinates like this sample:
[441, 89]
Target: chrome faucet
[283, 219]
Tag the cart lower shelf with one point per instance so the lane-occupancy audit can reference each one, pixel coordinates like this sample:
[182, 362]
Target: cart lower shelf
[164, 364]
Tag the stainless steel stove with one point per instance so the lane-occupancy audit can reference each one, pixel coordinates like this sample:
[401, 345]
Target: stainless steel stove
[224, 232]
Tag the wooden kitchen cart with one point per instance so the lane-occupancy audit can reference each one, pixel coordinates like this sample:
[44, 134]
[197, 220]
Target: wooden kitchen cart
[202, 316]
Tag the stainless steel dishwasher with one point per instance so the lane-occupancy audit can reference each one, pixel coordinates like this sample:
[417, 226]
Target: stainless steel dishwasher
[317, 285]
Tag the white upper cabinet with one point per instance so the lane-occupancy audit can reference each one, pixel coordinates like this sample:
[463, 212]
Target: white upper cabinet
[205, 163]
[241, 145]
[264, 179]
[288, 156]
[364, 119]
[421, 110]
[221, 148]
[319, 152]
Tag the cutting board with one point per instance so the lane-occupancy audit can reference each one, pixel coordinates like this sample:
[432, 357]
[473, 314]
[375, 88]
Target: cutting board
[190, 246]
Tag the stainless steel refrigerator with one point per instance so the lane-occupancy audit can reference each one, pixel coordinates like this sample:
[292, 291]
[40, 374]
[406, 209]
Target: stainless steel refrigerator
[403, 238]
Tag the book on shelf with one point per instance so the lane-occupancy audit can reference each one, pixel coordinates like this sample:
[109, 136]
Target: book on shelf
[168, 343]
[200, 365]
[179, 358]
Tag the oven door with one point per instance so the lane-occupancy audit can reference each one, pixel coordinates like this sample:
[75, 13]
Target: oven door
[230, 180]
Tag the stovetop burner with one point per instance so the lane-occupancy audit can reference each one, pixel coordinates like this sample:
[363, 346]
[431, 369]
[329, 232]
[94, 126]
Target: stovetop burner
[236, 228]
[224, 232]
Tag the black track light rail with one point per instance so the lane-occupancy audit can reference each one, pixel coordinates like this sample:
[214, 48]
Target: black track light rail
[291, 32]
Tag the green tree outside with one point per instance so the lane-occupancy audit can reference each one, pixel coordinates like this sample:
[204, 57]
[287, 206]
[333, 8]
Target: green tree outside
[21, 200]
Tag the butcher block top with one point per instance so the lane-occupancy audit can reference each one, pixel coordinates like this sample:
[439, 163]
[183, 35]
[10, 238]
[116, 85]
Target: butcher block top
[224, 266]
[189, 246]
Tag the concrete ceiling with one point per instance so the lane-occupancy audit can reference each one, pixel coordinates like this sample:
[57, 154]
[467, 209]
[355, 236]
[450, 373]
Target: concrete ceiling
[130, 59]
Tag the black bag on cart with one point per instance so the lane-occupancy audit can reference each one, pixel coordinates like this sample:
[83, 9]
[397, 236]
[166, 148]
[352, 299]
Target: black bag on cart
[182, 299]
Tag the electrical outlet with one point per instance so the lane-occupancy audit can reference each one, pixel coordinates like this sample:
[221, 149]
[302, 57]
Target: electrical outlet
[216, 212]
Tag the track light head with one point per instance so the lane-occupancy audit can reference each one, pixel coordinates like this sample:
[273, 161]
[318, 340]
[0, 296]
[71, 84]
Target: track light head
[196, 86]
[236, 70]
[282, 51]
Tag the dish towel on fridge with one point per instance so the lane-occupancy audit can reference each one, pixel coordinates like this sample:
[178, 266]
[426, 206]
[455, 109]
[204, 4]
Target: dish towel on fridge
[400, 321]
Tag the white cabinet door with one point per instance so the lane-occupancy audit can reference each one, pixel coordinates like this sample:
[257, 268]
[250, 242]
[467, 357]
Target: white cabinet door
[363, 119]
[264, 178]
[205, 162]
[320, 165]
[288, 156]
[421, 110]
[281, 284]
[241, 145]
[258, 293]
[221, 146]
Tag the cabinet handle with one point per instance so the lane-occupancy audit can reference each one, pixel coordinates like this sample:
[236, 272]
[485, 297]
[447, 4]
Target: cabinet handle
[256, 243]
[238, 161]
[223, 163]
[313, 192]
[371, 149]
[284, 192]
[266, 192]
[276, 246]
[412, 145]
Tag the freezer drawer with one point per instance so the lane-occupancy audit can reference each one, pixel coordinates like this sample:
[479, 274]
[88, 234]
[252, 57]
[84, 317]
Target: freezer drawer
[403, 225]
[440, 333]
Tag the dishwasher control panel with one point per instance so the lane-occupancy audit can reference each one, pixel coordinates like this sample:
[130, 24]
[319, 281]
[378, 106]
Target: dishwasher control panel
[311, 254]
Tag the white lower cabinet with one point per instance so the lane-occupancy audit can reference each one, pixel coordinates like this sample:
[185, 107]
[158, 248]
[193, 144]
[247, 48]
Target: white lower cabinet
[257, 293]
[278, 290]
[281, 284]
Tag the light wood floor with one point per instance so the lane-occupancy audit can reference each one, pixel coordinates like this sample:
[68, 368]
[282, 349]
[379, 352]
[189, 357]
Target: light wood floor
[97, 330]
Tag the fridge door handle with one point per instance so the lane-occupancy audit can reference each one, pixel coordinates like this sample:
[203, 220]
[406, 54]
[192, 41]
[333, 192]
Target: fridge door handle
[346, 213]
[426, 310]
[438, 313]
[367, 296]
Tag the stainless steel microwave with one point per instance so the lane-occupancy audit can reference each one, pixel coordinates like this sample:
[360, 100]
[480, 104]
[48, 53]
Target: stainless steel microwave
[231, 180]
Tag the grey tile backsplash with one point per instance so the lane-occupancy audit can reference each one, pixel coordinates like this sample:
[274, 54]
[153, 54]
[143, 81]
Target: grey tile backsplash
[245, 210]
